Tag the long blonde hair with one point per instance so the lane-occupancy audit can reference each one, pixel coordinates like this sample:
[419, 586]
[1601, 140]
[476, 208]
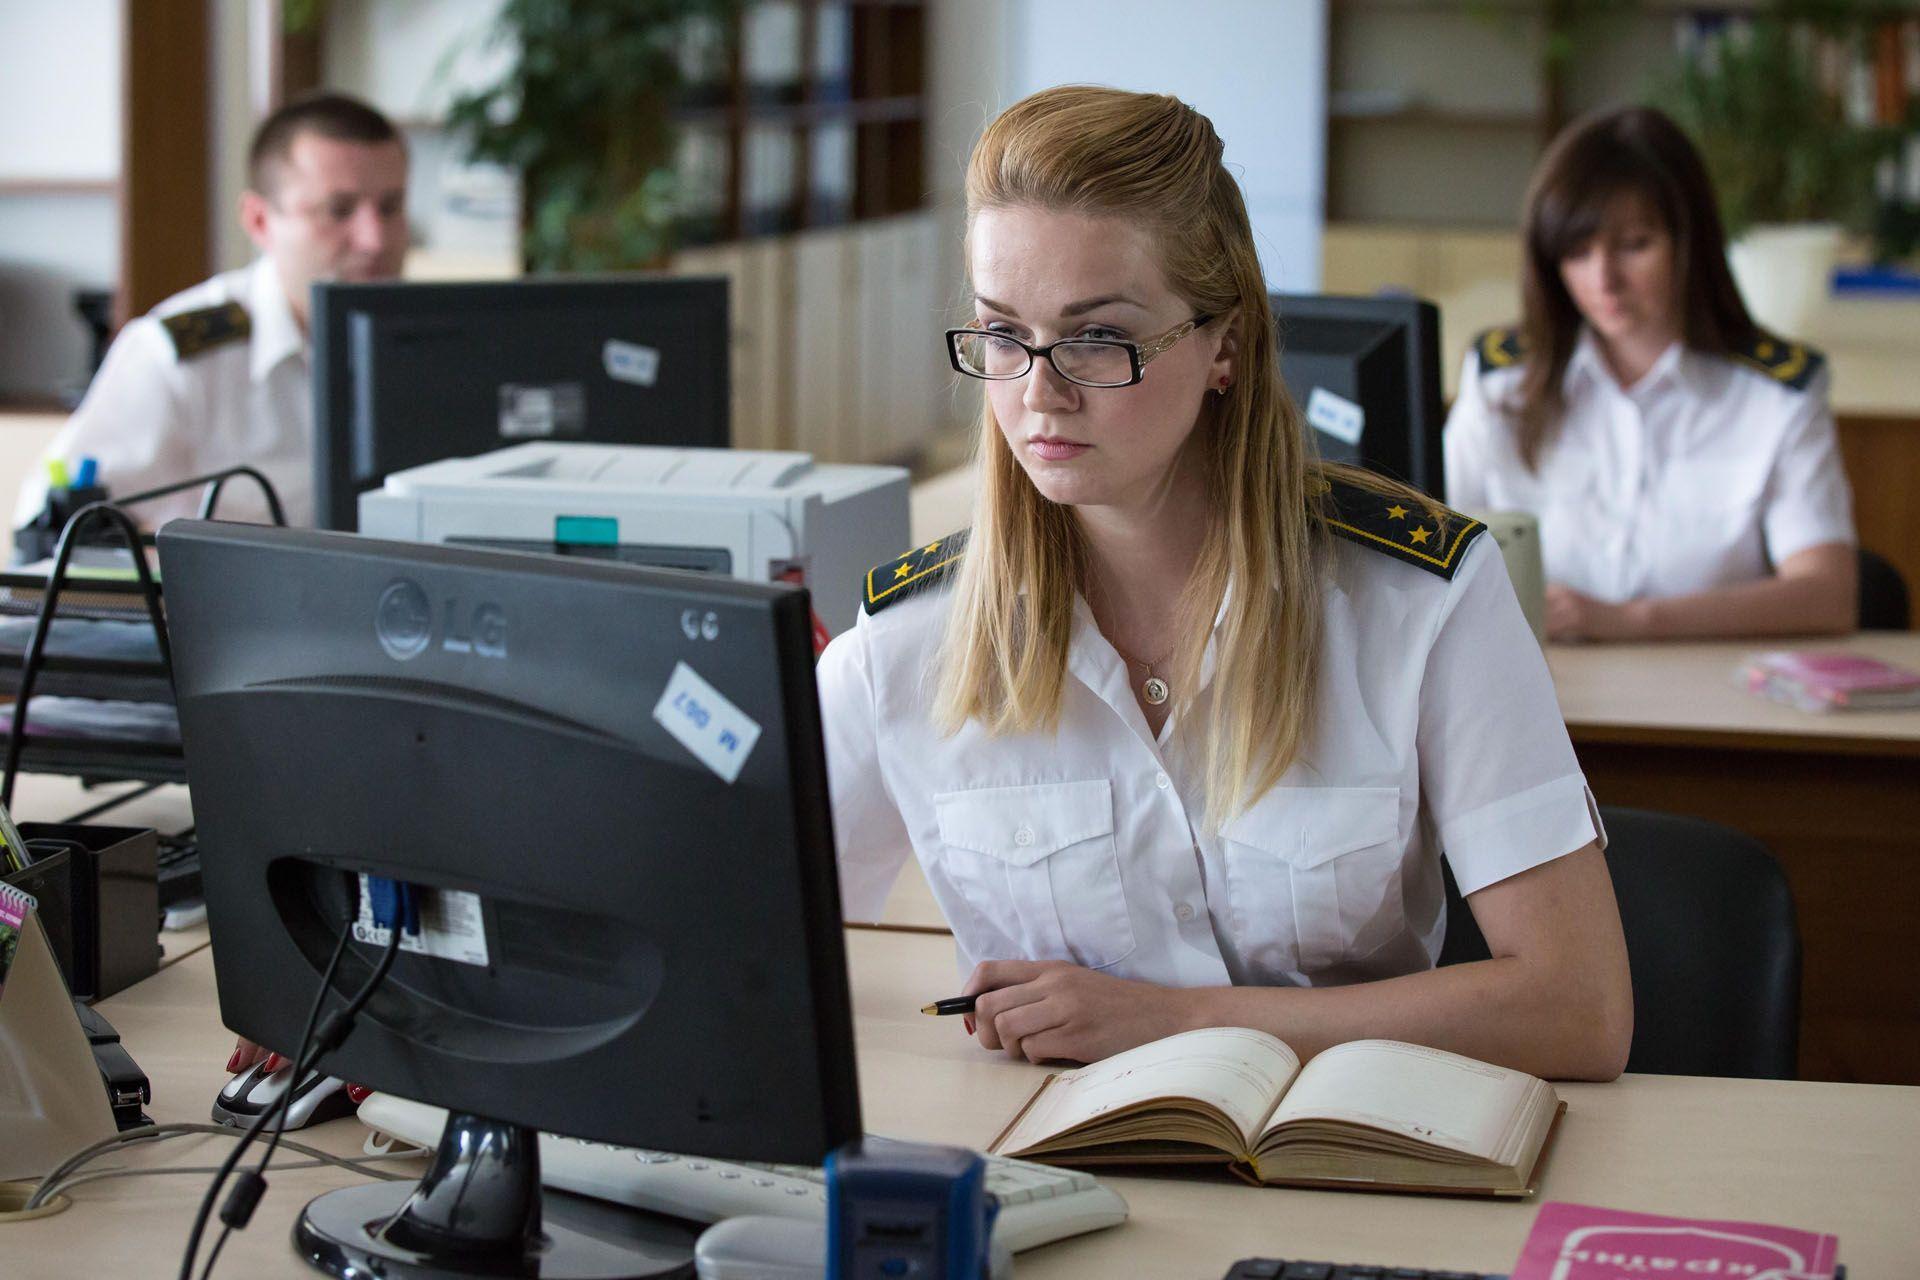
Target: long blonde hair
[1153, 161]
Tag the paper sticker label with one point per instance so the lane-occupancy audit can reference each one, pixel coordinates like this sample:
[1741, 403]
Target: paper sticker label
[1336, 415]
[699, 715]
[541, 412]
[450, 926]
[631, 362]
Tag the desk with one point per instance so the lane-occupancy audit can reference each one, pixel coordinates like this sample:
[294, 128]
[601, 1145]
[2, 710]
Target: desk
[1833, 1157]
[1836, 797]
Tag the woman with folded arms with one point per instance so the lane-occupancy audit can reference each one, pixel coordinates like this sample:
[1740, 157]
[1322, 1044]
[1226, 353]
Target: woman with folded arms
[1681, 461]
[1180, 730]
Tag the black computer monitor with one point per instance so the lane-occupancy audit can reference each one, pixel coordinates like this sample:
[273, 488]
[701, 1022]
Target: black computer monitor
[1366, 375]
[624, 766]
[407, 374]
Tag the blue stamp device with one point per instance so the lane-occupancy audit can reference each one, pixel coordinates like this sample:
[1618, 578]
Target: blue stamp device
[907, 1211]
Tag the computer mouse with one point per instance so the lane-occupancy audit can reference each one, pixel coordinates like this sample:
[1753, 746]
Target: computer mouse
[247, 1096]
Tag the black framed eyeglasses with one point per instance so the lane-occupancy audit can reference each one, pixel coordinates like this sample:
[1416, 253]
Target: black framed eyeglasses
[1089, 362]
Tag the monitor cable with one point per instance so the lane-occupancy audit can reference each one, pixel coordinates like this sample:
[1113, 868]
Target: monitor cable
[241, 1202]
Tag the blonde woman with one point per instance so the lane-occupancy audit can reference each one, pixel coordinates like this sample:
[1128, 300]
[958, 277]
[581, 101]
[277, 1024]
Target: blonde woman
[1179, 730]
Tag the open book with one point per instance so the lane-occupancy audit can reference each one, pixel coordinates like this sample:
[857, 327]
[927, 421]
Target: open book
[1369, 1115]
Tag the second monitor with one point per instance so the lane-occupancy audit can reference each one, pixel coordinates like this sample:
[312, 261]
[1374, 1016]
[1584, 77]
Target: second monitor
[407, 374]
[1366, 374]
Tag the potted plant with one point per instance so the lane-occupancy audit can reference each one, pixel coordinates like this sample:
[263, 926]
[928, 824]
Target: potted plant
[584, 113]
[1792, 174]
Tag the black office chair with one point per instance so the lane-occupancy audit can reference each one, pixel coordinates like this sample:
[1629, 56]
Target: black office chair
[1883, 594]
[1712, 942]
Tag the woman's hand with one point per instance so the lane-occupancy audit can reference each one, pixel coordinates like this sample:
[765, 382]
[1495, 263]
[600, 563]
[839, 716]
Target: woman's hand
[1049, 1010]
[1572, 615]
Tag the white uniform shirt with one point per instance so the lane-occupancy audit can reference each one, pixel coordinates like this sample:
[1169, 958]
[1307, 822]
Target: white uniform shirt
[1706, 473]
[1436, 730]
[151, 417]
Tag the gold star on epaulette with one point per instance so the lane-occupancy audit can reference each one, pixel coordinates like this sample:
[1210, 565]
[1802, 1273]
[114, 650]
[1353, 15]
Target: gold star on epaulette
[1792, 364]
[918, 569]
[196, 331]
[1435, 539]
[1499, 349]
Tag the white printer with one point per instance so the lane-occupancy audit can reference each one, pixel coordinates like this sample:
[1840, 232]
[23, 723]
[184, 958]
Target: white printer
[755, 515]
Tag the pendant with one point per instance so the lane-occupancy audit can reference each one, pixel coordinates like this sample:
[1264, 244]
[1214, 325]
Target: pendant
[1155, 690]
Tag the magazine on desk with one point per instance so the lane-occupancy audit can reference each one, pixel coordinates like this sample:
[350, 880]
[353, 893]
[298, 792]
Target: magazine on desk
[1374, 1115]
[1816, 681]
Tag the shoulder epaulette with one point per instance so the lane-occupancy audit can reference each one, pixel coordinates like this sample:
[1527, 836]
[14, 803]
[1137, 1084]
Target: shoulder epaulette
[206, 328]
[1791, 364]
[1402, 529]
[912, 573]
[1499, 349]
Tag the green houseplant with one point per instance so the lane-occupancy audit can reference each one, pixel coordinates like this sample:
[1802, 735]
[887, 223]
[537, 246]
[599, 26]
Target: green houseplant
[584, 113]
[1791, 173]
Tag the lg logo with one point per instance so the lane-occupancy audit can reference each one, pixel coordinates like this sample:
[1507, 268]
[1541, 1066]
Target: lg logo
[698, 625]
[403, 621]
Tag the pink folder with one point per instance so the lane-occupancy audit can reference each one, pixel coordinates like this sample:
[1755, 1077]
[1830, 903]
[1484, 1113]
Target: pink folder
[1583, 1242]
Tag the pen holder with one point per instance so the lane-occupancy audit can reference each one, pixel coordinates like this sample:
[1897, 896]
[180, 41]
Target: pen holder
[37, 539]
[112, 897]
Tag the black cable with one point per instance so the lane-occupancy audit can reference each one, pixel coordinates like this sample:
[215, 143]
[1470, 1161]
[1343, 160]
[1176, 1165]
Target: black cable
[332, 1031]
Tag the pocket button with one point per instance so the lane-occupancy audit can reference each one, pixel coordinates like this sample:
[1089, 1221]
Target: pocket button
[1183, 913]
[1023, 837]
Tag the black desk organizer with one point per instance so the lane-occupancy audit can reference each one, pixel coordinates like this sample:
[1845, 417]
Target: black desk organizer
[78, 667]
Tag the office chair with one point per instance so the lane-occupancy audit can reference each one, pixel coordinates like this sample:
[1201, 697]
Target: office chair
[1883, 594]
[1712, 942]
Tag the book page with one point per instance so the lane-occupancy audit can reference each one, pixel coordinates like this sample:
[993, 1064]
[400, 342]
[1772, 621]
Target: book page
[1236, 1070]
[1425, 1094]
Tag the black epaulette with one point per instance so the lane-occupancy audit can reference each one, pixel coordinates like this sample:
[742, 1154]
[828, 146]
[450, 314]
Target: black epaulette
[913, 572]
[206, 328]
[1405, 530]
[1791, 364]
[1499, 349]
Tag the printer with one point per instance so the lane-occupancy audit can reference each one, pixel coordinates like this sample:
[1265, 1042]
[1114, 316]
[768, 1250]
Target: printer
[762, 516]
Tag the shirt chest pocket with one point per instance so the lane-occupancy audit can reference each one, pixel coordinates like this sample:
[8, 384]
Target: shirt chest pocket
[1039, 863]
[1313, 876]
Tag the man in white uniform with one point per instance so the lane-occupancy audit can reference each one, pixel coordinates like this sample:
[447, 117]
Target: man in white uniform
[218, 375]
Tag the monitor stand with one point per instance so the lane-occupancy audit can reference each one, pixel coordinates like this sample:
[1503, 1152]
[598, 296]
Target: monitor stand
[480, 1211]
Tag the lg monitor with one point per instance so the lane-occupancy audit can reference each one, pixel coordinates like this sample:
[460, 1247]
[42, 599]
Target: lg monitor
[609, 782]
[1366, 375]
[407, 374]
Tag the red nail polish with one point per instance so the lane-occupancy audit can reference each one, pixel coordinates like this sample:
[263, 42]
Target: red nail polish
[969, 1022]
[274, 1063]
[237, 1061]
[358, 1093]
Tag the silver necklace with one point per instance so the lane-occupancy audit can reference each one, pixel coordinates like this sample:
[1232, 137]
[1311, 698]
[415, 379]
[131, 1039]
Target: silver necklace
[1153, 688]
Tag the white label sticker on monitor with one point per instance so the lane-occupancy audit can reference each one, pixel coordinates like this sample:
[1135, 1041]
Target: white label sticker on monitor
[631, 362]
[450, 926]
[699, 715]
[1336, 415]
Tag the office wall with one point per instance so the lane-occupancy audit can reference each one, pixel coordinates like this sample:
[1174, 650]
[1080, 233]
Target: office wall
[1257, 68]
[59, 160]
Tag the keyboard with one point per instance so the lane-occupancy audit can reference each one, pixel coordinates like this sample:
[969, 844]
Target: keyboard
[1038, 1203]
[179, 871]
[1281, 1269]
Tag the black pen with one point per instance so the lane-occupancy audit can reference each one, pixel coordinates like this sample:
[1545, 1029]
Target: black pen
[941, 1008]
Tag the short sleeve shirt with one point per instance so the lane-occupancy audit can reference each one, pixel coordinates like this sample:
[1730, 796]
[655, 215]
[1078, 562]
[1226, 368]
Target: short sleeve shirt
[1436, 731]
[153, 416]
[1706, 473]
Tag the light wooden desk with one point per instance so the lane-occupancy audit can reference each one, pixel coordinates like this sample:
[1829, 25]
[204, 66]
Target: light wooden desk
[1836, 798]
[1842, 1158]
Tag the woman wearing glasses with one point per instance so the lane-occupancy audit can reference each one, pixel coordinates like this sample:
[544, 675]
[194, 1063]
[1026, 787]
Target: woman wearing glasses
[1683, 464]
[1179, 730]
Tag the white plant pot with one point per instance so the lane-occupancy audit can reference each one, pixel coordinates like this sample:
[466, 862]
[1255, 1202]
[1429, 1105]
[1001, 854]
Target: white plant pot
[1785, 272]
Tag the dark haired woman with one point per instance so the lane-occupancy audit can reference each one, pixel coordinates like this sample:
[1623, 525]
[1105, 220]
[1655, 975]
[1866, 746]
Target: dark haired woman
[1682, 462]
